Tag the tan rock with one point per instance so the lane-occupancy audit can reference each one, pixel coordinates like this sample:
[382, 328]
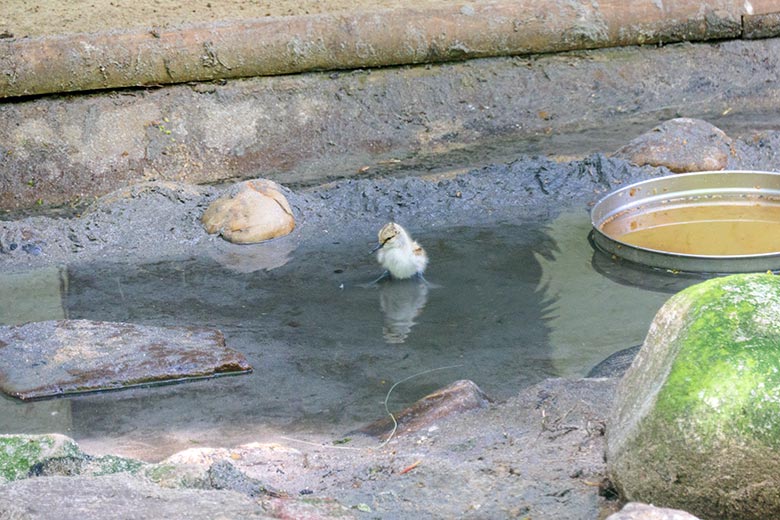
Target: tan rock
[682, 145]
[250, 212]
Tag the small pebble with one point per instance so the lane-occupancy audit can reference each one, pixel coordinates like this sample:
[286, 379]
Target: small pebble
[32, 249]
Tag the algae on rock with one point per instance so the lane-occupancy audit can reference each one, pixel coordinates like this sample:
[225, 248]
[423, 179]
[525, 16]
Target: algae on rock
[696, 423]
[20, 454]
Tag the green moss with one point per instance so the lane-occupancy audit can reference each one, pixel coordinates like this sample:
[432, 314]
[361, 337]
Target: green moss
[16, 456]
[725, 380]
[160, 472]
[109, 464]
[20, 453]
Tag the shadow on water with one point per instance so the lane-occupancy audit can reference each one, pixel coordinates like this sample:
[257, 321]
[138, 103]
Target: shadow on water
[508, 305]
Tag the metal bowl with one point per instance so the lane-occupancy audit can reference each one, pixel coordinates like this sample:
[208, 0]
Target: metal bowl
[718, 196]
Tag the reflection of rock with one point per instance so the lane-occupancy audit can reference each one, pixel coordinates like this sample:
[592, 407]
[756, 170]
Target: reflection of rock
[401, 302]
[580, 303]
[250, 212]
[254, 257]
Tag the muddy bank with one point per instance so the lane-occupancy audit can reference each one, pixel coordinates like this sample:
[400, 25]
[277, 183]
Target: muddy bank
[127, 225]
[321, 126]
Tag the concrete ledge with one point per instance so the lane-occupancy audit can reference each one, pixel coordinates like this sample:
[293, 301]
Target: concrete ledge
[343, 40]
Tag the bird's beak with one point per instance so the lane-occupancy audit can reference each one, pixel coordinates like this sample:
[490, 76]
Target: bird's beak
[377, 248]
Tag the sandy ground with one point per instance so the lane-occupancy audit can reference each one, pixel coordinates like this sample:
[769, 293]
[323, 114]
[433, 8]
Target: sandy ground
[21, 18]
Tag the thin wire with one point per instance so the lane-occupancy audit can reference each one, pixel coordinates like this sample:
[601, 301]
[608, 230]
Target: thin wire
[387, 398]
[387, 409]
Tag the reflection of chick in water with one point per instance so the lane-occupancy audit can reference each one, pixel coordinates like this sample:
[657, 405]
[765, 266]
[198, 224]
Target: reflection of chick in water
[401, 302]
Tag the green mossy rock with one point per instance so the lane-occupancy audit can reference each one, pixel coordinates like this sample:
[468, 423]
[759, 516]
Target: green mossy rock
[696, 423]
[20, 455]
[23, 456]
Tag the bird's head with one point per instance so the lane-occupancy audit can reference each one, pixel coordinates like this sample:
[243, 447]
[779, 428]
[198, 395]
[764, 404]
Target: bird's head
[389, 236]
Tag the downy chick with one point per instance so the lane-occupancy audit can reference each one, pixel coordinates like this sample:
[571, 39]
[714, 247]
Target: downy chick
[399, 254]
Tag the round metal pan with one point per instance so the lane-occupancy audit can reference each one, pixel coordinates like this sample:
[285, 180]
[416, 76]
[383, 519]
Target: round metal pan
[721, 187]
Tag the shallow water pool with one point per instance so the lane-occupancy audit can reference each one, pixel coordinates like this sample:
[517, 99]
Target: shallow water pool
[506, 306]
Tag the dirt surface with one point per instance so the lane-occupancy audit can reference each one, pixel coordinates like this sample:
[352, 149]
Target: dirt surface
[538, 455]
[21, 18]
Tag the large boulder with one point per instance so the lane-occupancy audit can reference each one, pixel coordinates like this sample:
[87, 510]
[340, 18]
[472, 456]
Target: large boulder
[696, 420]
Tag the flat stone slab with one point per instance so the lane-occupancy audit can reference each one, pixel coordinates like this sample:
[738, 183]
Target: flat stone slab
[54, 358]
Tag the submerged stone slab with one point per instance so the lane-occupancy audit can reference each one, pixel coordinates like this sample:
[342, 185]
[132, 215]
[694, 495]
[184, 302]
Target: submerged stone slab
[460, 396]
[53, 358]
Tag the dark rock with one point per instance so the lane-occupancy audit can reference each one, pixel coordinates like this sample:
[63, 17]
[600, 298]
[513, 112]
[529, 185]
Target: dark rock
[50, 358]
[32, 249]
[224, 475]
[682, 145]
[458, 397]
[616, 364]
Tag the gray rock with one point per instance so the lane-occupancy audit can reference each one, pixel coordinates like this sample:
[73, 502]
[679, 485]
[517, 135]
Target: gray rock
[616, 364]
[639, 511]
[682, 145]
[695, 425]
[50, 358]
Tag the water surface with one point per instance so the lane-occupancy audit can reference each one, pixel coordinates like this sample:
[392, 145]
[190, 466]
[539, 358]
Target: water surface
[506, 306]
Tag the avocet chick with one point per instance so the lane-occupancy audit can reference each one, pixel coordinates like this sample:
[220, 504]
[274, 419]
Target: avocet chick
[399, 254]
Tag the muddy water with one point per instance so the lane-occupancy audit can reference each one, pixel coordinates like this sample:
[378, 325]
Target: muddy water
[506, 306]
